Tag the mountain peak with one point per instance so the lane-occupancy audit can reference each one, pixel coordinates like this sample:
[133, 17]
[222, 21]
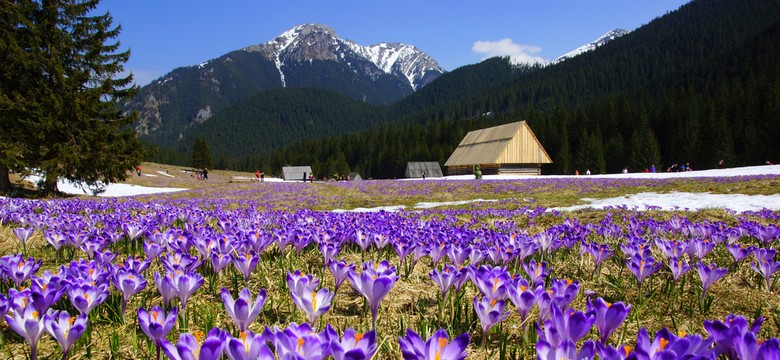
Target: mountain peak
[310, 42]
[603, 39]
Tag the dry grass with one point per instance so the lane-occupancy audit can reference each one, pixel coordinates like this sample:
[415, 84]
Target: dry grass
[413, 302]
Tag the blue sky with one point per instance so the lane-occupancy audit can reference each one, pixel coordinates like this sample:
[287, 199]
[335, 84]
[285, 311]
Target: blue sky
[165, 34]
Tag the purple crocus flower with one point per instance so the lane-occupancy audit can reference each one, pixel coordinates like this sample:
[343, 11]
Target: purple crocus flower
[55, 238]
[245, 263]
[438, 346]
[353, 345]
[47, 290]
[739, 251]
[537, 272]
[458, 254]
[522, 296]
[167, 288]
[765, 265]
[329, 252]
[678, 267]
[190, 347]
[373, 286]
[490, 280]
[153, 249]
[666, 345]
[566, 325]
[186, 285]
[248, 346]
[727, 333]
[412, 346]
[340, 270]
[608, 316]
[23, 234]
[563, 292]
[85, 296]
[20, 269]
[65, 329]
[565, 350]
[28, 323]
[749, 348]
[702, 247]
[156, 324]
[709, 274]
[314, 304]
[292, 343]
[297, 281]
[490, 312]
[611, 353]
[129, 283]
[219, 261]
[599, 252]
[445, 278]
[642, 267]
[243, 310]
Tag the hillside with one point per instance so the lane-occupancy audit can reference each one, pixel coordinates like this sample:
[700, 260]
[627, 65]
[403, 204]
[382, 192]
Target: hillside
[696, 85]
[306, 56]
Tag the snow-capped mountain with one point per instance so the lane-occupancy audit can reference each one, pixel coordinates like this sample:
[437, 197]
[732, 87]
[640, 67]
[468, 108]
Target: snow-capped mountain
[311, 56]
[603, 39]
[320, 42]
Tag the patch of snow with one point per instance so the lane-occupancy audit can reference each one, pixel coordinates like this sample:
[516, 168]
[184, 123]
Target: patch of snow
[165, 174]
[109, 190]
[430, 205]
[683, 201]
[150, 175]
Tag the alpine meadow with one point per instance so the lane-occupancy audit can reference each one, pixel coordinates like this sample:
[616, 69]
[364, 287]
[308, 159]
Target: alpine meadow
[311, 197]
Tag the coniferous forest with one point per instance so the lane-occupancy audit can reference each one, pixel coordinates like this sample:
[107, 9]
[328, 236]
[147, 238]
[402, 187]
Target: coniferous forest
[699, 85]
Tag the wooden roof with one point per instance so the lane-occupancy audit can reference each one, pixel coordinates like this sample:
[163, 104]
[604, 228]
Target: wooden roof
[513, 143]
[295, 172]
[416, 169]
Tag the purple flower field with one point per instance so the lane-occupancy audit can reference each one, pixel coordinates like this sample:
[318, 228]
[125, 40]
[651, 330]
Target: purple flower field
[268, 271]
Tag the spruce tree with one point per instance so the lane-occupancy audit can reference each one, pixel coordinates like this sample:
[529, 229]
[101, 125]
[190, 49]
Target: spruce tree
[65, 83]
[201, 155]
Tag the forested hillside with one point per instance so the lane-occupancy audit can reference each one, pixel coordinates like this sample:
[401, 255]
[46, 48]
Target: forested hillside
[697, 85]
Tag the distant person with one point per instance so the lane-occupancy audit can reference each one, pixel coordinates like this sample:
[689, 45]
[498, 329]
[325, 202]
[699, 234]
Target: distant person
[304, 176]
[311, 178]
[576, 172]
[652, 168]
[257, 175]
[262, 176]
[768, 162]
[688, 167]
[587, 172]
[423, 174]
[138, 170]
[625, 170]
[205, 173]
[721, 164]
[646, 170]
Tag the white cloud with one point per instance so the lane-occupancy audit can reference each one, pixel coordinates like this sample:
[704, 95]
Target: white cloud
[518, 53]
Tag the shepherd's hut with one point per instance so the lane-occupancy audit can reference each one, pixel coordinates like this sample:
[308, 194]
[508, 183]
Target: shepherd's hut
[504, 149]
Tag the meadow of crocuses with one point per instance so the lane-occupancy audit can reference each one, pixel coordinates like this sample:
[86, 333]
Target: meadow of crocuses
[267, 271]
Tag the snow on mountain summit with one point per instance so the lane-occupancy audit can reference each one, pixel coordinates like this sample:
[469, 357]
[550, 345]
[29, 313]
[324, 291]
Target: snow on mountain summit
[320, 42]
[603, 39]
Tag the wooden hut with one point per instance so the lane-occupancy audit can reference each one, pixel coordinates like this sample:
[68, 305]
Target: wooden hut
[296, 172]
[416, 169]
[504, 149]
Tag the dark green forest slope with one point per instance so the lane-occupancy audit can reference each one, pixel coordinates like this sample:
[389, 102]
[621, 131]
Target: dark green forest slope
[697, 85]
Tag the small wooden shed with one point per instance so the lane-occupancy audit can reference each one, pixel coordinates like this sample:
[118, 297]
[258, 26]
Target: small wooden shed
[504, 149]
[416, 169]
[296, 172]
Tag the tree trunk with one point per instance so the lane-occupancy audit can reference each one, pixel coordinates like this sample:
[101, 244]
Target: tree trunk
[49, 185]
[5, 181]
